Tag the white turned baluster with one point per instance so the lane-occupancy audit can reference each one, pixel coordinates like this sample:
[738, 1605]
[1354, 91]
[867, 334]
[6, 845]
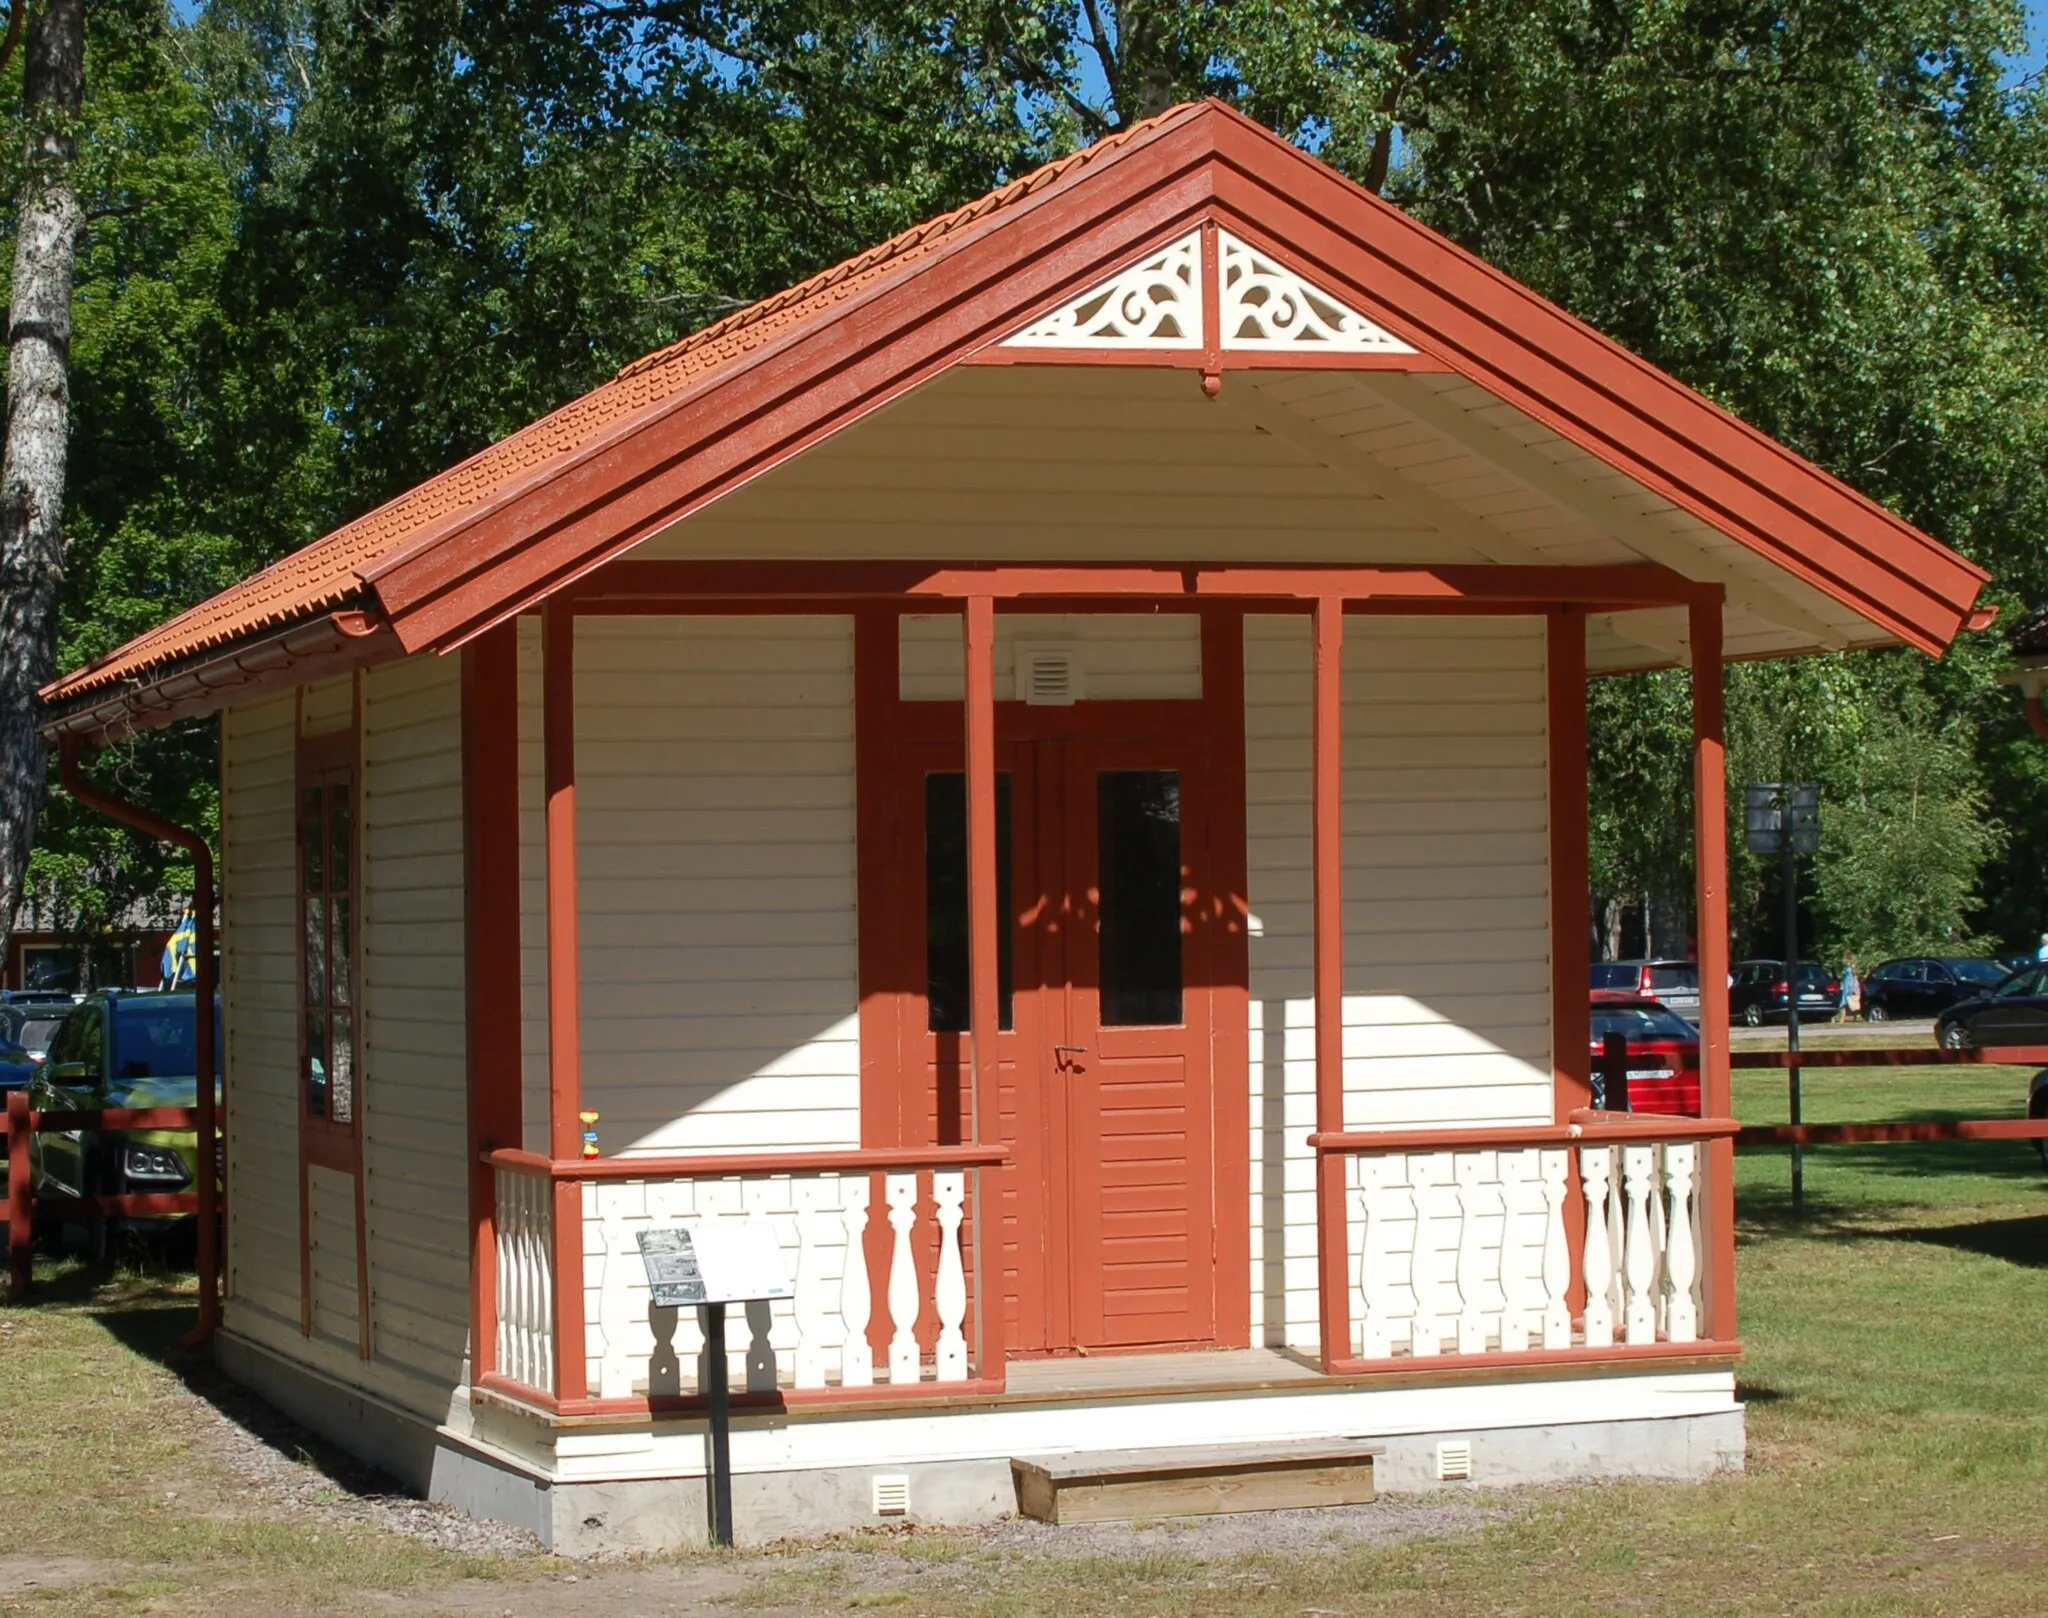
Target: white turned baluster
[856, 1302]
[1557, 1255]
[1660, 1242]
[1617, 1243]
[1375, 1270]
[772, 1329]
[813, 1200]
[1470, 1172]
[949, 1293]
[1517, 1175]
[904, 1362]
[1681, 1259]
[1426, 1173]
[1640, 1267]
[717, 1200]
[1595, 1165]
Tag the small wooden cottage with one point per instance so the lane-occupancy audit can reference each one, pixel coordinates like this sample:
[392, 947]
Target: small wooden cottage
[1048, 765]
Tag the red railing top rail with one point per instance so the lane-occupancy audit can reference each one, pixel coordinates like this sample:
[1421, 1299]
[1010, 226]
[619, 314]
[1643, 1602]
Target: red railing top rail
[1898, 1056]
[1587, 1128]
[863, 1160]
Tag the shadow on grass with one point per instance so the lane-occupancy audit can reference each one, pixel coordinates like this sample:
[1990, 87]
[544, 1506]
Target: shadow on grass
[150, 1316]
[2021, 1241]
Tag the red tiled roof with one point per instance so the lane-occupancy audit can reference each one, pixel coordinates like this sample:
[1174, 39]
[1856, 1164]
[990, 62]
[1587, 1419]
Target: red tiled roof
[330, 572]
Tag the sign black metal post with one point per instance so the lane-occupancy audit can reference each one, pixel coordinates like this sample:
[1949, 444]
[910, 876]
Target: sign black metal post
[1783, 818]
[720, 1395]
[1789, 871]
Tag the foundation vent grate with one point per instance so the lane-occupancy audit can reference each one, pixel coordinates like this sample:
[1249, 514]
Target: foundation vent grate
[892, 1495]
[1454, 1462]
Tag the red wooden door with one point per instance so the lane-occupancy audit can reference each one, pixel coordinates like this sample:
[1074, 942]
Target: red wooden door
[1133, 1085]
[1104, 1220]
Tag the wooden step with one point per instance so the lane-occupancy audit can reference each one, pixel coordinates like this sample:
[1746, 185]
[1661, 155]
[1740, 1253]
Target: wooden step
[1117, 1484]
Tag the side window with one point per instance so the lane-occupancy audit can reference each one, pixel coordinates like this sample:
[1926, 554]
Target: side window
[2019, 985]
[64, 1041]
[91, 1044]
[327, 945]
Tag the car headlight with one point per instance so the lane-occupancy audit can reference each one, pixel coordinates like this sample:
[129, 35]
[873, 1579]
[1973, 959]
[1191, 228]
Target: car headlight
[152, 1163]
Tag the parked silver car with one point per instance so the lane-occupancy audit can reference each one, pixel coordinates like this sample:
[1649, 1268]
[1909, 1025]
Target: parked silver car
[1675, 983]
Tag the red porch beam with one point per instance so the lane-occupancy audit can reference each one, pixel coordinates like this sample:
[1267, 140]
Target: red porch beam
[565, 1011]
[984, 925]
[1326, 860]
[671, 585]
[490, 845]
[1571, 977]
[1710, 859]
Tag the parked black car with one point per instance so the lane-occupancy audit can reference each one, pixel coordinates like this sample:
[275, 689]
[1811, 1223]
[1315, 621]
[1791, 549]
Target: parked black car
[1927, 985]
[2037, 1107]
[27, 1020]
[1758, 994]
[2014, 1013]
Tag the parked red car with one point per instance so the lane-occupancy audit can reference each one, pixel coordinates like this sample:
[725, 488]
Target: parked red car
[1663, 1051]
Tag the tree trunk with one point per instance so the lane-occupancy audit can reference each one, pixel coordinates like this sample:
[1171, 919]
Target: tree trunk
[48, 225]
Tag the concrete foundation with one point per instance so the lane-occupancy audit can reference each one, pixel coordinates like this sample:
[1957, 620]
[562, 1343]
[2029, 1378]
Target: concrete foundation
[494, 1466]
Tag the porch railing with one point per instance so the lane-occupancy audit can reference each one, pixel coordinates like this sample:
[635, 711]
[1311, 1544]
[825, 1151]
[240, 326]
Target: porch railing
[1542, 1240]
[878, 1245]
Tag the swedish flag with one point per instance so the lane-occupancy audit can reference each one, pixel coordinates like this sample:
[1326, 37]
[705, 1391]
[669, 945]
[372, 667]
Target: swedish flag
[181, 952]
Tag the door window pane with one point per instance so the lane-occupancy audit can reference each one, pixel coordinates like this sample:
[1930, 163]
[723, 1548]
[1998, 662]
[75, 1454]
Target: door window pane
[945, 901]
[1138, 842]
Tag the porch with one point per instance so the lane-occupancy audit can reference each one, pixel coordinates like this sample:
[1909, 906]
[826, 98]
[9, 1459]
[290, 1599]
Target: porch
[1573, 1243]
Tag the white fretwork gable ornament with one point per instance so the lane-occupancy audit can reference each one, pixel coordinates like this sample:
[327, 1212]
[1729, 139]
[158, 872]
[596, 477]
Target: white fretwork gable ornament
[1156, 303]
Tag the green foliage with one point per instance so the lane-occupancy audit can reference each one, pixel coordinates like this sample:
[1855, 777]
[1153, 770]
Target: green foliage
[337, 245]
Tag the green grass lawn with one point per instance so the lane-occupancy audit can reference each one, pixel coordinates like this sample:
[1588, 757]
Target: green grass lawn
[1896, 1381]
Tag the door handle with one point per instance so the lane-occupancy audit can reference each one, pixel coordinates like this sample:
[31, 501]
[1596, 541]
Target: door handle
[1078, 1050]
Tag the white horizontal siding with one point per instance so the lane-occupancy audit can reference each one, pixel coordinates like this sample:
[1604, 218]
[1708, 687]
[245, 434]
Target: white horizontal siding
[415, 1085]
[1123, 656]
[1446, 905]
[715, 853]
[259, 1008]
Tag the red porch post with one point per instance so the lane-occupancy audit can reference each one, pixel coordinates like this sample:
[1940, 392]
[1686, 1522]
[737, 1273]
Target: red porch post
[984, 924]
[1571, 977]
[490, 818]
[1710, 858]
[1326, 836]
[565, 1016]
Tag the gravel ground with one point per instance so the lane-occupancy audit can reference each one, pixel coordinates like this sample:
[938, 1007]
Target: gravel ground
[278, 1471]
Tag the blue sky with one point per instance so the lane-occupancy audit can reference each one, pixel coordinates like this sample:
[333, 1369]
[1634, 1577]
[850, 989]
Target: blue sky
[2037, 36]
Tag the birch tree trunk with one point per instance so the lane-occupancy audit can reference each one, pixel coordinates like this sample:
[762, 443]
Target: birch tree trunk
[47, 228]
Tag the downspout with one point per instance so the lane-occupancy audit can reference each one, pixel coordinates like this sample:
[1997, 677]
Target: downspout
[208, 1176]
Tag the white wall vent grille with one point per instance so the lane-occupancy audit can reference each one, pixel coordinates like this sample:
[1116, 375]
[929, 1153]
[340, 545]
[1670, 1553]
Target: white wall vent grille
[1454, 1461]
[1049, 676]
[892, 1495]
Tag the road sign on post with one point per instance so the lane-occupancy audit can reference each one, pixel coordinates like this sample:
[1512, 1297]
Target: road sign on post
[1783, 818]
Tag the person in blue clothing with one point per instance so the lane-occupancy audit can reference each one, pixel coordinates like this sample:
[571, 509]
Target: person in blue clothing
[2041, 954]
[180, 953]
[1851, 1003]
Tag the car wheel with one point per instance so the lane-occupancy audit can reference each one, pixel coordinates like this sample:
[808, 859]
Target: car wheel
[1876, 1013]
[1752, 1015]
[2041, 1144]
[1954, 1037]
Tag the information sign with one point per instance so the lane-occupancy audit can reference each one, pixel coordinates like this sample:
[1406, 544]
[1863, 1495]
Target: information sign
[714, 1261]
